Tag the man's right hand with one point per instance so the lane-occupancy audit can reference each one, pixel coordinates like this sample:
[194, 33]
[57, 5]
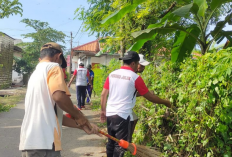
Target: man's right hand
[91, 128]
[168, 104]
[69, 85]
[103, 116]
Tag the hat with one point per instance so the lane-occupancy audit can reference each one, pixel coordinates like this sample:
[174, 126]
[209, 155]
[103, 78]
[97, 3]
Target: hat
[142, 61]
[81, 64]
[89, 66]
[57, 47]
[131, 55]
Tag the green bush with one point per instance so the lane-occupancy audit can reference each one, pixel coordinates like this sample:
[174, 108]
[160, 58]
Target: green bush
[68, 76]
[101, 73]
[5, 108]
[201, 90]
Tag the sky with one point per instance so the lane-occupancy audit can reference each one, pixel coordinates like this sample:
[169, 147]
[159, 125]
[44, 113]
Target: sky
[60, 16]
[58, 13]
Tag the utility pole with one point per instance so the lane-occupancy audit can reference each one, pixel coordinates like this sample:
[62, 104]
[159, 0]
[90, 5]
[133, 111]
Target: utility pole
[70, 57]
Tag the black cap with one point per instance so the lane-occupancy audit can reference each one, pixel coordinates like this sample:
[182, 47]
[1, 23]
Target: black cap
[81, 64]
[89, 66]
[131, 55]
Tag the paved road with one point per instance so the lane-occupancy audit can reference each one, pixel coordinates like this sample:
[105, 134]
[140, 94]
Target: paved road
[75, 143]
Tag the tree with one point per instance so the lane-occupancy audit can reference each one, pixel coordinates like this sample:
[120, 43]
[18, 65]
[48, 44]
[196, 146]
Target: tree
[200, 13]
[189, 23]
[8, 8]
[43, 34]
[134, 16]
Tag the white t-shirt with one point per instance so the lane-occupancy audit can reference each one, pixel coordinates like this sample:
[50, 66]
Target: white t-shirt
[41, 126]
[81, 76]
[123, 85]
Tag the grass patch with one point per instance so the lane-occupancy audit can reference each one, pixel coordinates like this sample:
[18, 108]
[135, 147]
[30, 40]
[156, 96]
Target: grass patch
[6, 108]
[8, 102]
[96, 104]
[101, 125]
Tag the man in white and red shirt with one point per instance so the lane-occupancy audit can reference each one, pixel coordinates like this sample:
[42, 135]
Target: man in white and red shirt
[81, 75]
[121, 86]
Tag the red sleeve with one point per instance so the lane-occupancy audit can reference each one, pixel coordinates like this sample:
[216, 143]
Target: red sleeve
[87, 73]
[140, 86]
[75, 72]
[107, 85]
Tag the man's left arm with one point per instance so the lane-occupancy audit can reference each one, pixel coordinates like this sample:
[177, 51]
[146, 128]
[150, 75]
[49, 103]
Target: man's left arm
[143, 90]
[88, 76]
[91, 76]
[70, 122]
[104, 95]
[138, 95]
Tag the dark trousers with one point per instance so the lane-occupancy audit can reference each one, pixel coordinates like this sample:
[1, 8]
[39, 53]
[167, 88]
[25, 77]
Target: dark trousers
[89, 89]
[81, 96]
[120, 129]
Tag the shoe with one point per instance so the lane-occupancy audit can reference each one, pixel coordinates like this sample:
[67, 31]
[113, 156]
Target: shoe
[83, 107]
[79, 108]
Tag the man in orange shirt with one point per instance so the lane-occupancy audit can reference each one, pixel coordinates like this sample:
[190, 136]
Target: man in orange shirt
[46, 98]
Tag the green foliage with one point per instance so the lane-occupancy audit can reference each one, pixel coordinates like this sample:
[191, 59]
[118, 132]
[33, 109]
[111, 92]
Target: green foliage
[184, 43]
[68, 76]
[8, 8]
[198, 16]
[8, 102]
[118, 34]
[201, 91]
[6, 108]
[101, 73]
[43, 34]
[116, 16]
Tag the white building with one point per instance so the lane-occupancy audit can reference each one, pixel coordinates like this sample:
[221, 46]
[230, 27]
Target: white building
[87, 54]
[17, 78]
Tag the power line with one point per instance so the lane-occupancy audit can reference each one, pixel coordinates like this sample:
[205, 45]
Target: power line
[81, 24]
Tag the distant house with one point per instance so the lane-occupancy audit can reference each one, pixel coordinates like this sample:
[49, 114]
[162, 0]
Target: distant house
[86, 54]
[17, 78]
[7, 49]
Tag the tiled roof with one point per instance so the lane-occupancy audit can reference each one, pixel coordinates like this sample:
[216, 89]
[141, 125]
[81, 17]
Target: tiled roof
[16, 48]
[92, 46]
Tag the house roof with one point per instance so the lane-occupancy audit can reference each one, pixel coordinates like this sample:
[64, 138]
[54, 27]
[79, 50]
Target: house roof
[16, 48]
[6, 35]
[90, 47]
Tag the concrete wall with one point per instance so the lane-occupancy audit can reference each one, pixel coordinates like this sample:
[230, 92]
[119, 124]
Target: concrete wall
[6, 60]
[103, 59]
[17, 77]
[109, 57]
[74, 62]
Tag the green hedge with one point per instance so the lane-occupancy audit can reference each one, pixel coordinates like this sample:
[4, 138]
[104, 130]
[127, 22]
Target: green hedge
[100, 74]
[201, 90]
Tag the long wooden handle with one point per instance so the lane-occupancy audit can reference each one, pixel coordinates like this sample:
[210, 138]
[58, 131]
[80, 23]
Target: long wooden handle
[107, 135]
